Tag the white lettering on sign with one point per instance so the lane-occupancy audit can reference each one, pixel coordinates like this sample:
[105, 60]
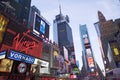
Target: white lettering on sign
[21, 57]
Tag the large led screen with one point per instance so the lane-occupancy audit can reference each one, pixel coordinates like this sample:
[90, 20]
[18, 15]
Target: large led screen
[40, 26]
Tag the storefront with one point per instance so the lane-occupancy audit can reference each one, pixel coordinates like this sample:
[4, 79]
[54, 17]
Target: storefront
[15, 65]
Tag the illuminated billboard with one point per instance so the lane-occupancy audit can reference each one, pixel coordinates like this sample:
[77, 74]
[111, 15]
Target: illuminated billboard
[6, 65]
[40, 26]
[3, 23]
[43, 66]
[116, 51]
[90, 61]
[55, 61]
[89, 52]
[65, 53]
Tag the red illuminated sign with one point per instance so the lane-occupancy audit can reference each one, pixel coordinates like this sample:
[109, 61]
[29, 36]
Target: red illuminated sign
[25, 43]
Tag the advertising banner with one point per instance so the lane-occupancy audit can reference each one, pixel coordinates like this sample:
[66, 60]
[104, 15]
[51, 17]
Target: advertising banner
[55, 62]
[3, 23]
[65, 53]
[43, 66]
[6, 65]
[90, 61]
[88, 52]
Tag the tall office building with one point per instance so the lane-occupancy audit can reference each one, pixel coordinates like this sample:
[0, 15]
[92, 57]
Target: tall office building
[87, 53]
[63, 34]
[19, 8]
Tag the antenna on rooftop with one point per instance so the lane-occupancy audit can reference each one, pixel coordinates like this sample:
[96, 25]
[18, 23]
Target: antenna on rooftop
[60, 6]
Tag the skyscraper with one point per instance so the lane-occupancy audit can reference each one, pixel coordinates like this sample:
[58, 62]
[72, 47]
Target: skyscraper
[97, 27]
[63, 34]
[105, 30]
[87, 53]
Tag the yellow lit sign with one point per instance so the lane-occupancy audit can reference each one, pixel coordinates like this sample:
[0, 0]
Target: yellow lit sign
[116, 52]
[3, 23]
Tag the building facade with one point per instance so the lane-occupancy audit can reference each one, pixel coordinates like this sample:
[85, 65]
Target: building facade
[18, 8]
[18, 48]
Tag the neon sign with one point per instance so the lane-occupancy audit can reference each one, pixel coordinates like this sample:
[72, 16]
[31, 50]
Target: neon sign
[23, 44]
[27, 44]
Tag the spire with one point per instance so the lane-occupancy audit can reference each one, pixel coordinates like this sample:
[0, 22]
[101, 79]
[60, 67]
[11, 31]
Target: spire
[101, 17]
[60, 7]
